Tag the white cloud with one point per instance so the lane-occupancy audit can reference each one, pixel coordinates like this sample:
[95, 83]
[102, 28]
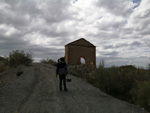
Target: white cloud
[7, 30]
[118, 29]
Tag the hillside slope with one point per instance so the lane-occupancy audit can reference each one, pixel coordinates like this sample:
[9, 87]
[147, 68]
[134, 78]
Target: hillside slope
[37, 91]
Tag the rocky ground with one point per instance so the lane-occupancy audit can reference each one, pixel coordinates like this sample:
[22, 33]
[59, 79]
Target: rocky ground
[35, 89]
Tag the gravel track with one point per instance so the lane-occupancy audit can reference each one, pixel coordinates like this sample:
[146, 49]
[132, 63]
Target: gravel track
[37, 91]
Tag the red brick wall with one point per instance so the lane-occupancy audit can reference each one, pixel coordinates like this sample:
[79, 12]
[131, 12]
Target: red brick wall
[73, 53]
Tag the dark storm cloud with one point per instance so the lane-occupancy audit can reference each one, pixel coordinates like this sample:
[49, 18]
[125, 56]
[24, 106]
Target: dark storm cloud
[128, 31]
[24, 7]
[12, 20]
[54, 32]
[13, 17]
[136, 43]
[45, 52]
[147, 41]
[113, 53]
[120, 45]
[13, 42]
[108, 47]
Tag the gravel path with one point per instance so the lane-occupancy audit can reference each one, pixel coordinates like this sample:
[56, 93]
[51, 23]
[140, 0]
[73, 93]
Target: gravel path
[37, 91]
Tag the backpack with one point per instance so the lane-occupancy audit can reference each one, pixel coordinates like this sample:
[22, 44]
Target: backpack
[62, 71]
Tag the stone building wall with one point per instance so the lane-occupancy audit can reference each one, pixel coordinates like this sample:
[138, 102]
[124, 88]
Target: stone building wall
[80, 49]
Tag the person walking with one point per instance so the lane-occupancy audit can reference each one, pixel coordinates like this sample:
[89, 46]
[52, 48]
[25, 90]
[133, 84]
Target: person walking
[62, 71]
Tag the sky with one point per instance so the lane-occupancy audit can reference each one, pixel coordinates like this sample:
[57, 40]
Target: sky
[120, 29]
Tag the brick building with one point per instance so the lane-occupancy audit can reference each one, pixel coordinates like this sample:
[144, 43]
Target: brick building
[80, 49]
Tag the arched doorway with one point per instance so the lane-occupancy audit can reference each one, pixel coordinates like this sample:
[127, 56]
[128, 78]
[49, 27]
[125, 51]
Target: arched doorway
[82, 60]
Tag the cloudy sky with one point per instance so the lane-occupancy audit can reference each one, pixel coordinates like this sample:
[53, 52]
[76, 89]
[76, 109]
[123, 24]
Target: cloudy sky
[120, 29]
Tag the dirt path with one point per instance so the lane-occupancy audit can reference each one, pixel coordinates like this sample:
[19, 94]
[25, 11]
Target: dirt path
[37, 91]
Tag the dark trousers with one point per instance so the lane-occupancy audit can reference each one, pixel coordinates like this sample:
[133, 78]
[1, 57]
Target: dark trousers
[62, 78]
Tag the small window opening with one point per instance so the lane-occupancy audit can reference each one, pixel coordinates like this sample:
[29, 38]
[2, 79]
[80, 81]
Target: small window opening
[82, 60]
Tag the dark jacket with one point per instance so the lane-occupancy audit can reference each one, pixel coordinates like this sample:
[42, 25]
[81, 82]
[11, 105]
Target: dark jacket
[61, 65]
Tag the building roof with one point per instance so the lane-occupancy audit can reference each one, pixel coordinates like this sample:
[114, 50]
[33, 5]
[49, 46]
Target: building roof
[81, 42]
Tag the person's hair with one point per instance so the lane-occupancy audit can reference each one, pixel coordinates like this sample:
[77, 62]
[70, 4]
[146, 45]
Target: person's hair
[62, 59]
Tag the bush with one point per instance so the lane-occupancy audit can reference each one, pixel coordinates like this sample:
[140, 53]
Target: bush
[2, 64]
[49, 61]
[127, 83]
[18, 57]
[80, 70]
[2, 58]
[111, 82]
[141, 94]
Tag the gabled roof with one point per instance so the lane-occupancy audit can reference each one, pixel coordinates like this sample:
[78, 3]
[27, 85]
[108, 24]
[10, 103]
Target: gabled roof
[81, 42]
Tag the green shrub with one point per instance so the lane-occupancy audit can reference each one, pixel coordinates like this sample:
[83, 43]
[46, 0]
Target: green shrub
[19, 57]
[111, 82]
[2, 58]
[118, 81]
[2, 64]
[49, 61]
[80, 70]
[127, 83]
[141, 94]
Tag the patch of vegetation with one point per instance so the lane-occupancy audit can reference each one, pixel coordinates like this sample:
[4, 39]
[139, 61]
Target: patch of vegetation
[2, 58]
[113, 81]
[141, 94]
[2, 63]
[16, 58]
[49, 61]
[127, 83]
[80, 70]
[121, 81]
[19, 57]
